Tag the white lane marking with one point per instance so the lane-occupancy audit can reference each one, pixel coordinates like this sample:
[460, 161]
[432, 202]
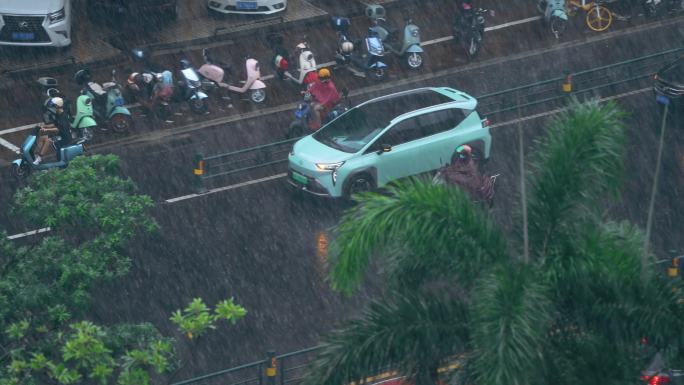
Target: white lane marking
[15, 129]
[282, 175]
[225, 188]
[9, 145]
[327, 64]
[512, 23]
[28, 233]
[487, 29]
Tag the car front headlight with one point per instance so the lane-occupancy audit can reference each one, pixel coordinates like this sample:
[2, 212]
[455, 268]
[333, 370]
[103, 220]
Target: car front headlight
[329, 166]
[56, 17]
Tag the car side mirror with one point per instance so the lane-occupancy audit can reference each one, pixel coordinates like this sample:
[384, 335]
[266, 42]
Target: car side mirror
[384, 148]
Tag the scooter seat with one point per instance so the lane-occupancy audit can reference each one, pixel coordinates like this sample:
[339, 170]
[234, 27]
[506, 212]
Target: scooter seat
[96, 88]
[106, 86]
[392, 31]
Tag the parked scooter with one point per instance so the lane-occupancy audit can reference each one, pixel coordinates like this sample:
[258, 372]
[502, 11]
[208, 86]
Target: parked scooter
[407, 46]
[23, 166]
[190, 88]
[555, 15]
[154, 91]
[349, 55]
[469, 28]
[214, 73]
[301, 70]
[300, 125]
[83, 123]
[108, 101]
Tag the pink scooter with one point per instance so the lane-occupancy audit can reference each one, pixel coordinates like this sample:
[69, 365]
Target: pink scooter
[214, 72]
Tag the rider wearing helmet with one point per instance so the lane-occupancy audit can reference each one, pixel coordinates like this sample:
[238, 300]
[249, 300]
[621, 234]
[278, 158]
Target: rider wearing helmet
[463, 155]
[465, 14]
[56, 121]
[325, 97]
[463, 173]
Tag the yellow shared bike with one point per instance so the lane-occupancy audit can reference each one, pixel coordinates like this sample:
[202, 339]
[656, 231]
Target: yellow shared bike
[598, 16]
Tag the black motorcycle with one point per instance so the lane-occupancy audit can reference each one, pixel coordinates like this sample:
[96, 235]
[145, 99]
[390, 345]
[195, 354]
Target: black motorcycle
[469, 29]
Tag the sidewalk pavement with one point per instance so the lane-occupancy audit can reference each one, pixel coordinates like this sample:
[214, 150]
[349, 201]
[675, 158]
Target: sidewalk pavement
[94, 43]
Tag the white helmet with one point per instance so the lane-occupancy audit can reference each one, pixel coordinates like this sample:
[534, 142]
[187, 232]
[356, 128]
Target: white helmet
[57, 102]
[347, 47]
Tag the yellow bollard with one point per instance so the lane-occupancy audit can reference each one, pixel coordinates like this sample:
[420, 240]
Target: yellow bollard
[567, 84]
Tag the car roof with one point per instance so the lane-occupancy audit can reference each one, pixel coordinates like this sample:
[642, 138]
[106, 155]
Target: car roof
[394, 106]
[673, 72]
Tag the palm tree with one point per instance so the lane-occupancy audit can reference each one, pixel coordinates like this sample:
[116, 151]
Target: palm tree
[458, 288]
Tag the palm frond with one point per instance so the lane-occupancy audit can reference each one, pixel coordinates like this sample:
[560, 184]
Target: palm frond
[410, 334]
[511, 317]
[578, 162]
[437, 226]
[582, 357]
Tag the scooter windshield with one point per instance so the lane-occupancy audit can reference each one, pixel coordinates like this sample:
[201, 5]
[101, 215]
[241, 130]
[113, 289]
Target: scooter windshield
[190, 74]
[374, 46]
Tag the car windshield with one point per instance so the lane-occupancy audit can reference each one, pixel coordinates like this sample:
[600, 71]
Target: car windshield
[351, 131]
[356, 128]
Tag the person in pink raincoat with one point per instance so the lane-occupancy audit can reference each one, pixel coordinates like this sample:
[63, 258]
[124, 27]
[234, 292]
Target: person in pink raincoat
[325, 97]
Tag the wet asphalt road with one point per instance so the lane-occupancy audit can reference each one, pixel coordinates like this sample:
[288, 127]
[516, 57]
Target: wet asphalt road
[265, 246]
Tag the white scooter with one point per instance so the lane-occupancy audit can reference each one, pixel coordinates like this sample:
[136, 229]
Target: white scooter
[214, 73]
[305, 72]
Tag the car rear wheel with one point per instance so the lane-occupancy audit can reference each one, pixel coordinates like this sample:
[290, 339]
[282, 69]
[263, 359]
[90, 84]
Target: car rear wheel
[358, 183]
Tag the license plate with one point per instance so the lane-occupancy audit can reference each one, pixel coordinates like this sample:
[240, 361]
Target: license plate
[246, 5]
[23, 35]
[299, 178]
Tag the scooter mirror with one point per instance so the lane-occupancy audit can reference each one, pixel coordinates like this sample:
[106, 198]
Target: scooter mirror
[141, 54]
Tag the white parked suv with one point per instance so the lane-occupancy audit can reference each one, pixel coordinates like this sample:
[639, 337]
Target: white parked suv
[35, 22]
[263, 7]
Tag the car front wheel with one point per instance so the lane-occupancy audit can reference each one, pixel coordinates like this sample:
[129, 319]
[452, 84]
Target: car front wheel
[357, 184]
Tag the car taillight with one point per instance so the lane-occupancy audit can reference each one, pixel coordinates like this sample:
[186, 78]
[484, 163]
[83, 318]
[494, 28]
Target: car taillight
[657, 379]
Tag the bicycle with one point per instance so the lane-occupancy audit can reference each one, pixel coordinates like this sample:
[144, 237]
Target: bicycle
[599, 17]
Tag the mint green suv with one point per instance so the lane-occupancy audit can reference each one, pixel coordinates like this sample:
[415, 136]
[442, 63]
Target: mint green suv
[387, 138]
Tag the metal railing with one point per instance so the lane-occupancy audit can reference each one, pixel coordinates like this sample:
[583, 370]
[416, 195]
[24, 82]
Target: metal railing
[274, 370]
[548, 94]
